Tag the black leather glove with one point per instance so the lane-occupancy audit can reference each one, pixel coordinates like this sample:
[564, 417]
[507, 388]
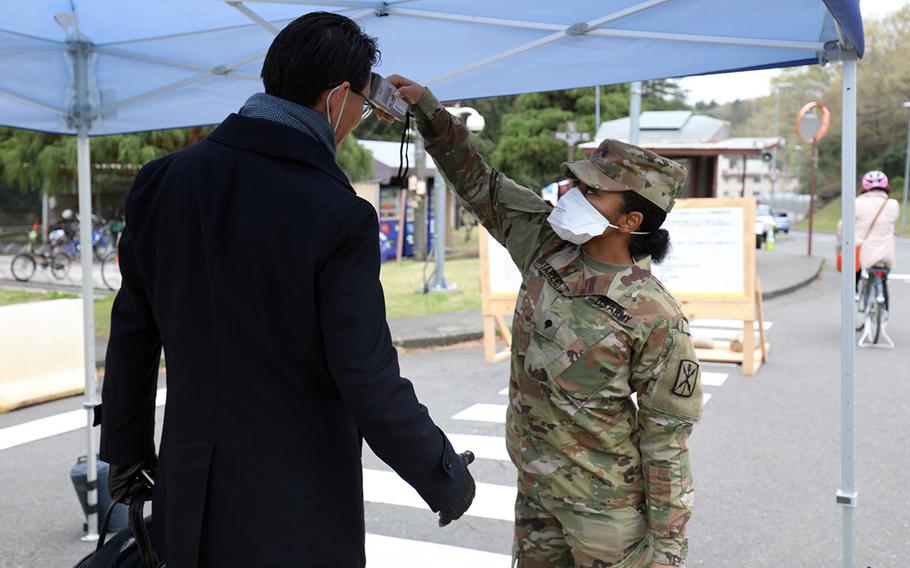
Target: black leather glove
[132, 482]
[464, 500]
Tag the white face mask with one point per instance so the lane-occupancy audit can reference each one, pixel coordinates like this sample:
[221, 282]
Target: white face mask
[575, 220]
[328, 111]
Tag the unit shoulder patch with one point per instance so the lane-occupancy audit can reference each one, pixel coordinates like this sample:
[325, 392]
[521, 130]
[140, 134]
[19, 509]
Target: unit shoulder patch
[686, 378]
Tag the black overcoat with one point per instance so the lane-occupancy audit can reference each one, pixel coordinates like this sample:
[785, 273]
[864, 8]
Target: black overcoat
[249, 258]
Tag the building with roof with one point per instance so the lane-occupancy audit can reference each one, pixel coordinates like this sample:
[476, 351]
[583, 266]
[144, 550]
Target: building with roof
[387, 156]
[703, 144]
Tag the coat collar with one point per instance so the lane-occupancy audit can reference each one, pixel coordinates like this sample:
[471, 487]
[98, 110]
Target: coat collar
[567, 272]
[271, 138]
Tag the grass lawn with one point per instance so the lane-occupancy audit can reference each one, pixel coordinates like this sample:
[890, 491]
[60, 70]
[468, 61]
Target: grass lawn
[401, 282]
[19, 297]
[827, 217]
[103, 315]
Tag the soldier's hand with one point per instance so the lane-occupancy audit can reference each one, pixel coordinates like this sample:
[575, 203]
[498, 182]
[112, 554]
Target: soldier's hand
[464, 500]
[408, 90]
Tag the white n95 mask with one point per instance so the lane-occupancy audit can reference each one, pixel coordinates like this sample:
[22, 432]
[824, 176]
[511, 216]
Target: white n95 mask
[575, 220]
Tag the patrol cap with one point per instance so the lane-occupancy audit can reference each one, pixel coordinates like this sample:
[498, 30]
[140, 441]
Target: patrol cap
[616, 166]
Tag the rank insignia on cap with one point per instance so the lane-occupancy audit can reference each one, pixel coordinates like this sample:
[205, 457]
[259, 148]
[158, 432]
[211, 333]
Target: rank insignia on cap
[686, 378]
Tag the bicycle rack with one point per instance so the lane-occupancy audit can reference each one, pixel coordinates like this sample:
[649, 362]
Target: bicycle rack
[866, 339]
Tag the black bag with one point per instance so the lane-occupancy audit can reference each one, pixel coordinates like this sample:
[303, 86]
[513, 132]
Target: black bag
[129, 548]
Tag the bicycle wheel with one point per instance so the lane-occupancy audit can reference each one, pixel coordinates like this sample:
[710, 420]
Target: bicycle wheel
[60, 265]
[110, 271]
[878, 311]
[863, 303]
[23, 267]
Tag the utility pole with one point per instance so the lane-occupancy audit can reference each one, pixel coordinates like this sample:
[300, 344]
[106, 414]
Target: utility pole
[812, 123]
[812, 169]
[777, 89]
[596, 109]
[906, 177]
[634, 113]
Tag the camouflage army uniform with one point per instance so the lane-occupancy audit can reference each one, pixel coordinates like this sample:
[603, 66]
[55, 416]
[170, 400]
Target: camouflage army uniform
[600, 483]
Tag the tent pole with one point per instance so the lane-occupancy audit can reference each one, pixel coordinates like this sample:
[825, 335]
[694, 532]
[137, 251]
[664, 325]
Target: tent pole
[80, 51]
[846, 496]
[88, 318]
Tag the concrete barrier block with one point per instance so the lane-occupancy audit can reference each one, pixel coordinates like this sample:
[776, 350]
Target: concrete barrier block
[41, 352]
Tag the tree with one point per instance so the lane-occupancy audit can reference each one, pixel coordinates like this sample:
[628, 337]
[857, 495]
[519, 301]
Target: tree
[355, 160]
[35, 161]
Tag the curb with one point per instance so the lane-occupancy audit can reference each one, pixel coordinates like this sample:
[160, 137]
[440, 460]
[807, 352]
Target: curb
[794, 287]
[438, 341]
[13, 284]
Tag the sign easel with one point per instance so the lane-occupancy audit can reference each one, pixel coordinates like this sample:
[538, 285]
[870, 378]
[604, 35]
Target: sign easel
[500, 281]
[711, 273]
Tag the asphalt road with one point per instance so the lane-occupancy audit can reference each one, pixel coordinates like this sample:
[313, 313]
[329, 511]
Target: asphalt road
[766, 456]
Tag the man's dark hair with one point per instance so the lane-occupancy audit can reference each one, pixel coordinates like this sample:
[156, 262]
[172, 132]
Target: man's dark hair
[656, 243]
[315, 53]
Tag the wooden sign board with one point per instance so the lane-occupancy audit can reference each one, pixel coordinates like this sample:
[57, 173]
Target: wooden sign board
[500, 281]
[710, 271]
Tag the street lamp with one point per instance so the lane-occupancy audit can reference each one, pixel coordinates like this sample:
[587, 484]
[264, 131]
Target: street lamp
[777, 89]
[906, 175]
[474, 122]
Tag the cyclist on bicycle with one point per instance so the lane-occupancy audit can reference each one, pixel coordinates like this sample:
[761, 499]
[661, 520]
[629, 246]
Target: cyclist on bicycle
[876, 220]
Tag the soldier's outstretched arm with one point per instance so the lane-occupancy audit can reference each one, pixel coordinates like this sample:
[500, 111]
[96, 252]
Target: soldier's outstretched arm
[514, 215]
[667, 378]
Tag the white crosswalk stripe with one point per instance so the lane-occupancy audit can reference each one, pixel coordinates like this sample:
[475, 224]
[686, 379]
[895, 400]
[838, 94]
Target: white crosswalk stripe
[484, 413]
[491, 501]
[55, 425]
[710, 379]
[484, 447]
[391, 552]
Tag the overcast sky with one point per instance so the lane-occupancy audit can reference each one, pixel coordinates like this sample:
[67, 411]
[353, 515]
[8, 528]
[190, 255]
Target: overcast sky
[732, 86]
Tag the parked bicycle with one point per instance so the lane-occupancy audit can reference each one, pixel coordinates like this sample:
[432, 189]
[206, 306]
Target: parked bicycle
[110, 271]
[873, 305]
[103, 235]
[25, 264]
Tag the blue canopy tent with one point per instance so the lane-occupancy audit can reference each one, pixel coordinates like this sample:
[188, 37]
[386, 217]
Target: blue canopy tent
[98, 67]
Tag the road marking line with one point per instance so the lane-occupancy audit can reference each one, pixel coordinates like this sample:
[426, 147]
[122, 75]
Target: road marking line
[713, 379]
[724, 324]
[504, 391]
[904, 277]
[391, 552]
[491, 501]
[484, 413]
[55, 425]
[705, 398]
[486, 447]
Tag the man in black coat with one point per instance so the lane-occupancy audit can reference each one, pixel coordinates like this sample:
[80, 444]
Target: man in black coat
[251, 261]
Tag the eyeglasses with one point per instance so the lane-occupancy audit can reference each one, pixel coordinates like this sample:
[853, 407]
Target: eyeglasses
[368, 107]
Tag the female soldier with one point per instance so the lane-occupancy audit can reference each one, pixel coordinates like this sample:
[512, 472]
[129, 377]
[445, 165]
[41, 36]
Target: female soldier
[600, 482]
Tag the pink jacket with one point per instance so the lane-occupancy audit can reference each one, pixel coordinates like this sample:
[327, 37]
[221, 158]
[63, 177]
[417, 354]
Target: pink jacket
[878, 247]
